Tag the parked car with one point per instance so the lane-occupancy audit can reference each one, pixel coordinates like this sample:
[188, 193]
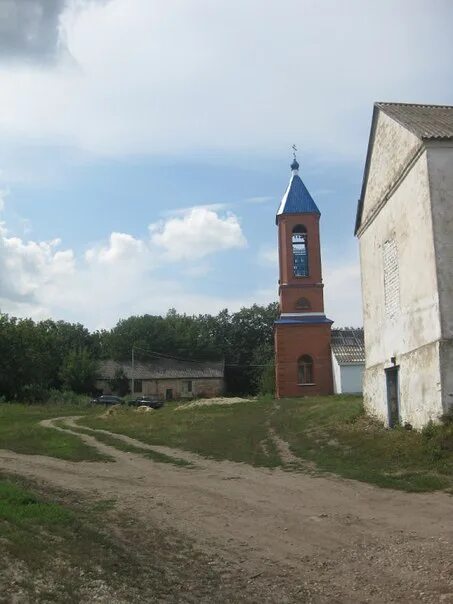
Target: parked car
[147, 401]
[107, 399]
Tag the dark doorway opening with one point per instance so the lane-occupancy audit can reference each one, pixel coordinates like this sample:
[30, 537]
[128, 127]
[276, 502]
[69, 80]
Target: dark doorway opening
[393, 396]
[169, 394]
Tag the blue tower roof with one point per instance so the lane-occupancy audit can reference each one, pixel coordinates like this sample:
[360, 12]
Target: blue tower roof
[297, 199]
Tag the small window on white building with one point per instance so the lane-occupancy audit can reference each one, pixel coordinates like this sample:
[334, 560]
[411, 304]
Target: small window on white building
[391, 279]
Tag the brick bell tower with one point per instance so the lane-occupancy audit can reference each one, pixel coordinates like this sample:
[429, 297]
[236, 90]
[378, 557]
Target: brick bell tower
[303, 364]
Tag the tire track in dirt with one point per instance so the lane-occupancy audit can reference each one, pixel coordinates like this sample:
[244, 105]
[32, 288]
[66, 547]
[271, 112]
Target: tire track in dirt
[343, 541]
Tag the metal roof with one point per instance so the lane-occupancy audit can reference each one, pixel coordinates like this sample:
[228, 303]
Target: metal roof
[307, 319]
[162, 369]
[297, 199]
[425, 121]
[348, 346]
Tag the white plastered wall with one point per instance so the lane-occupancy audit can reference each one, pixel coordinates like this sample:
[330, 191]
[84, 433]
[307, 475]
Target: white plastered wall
[393, 147]
[440, 162]
[408, 338]
[352, 378]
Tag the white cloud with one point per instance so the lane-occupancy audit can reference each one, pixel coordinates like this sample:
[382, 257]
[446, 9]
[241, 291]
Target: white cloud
[197, 234]
[198, 270]
[25, 267]
[118, 277]
[164, 77]
[121, 247]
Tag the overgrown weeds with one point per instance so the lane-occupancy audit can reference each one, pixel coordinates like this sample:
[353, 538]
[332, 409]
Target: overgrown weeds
[338, 436]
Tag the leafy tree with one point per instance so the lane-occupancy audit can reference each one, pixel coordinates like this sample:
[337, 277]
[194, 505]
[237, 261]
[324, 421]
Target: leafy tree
[56, 354]
[78, 372]
[264, 369]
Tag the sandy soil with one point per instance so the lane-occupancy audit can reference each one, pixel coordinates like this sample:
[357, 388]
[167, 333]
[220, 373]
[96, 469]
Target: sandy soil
[220, 400]
[326, 539]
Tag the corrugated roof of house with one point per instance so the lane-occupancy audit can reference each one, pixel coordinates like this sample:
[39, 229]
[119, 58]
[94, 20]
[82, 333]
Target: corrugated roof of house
[162, 369]
[425, 121]
[348, 346]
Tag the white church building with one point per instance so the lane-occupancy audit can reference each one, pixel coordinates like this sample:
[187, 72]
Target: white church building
[405, 230]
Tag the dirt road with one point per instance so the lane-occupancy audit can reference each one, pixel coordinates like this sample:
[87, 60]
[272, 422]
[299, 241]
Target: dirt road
[329, 539]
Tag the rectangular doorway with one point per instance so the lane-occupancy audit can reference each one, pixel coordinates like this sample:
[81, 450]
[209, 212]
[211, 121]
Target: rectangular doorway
[169, 394]
[393, 396]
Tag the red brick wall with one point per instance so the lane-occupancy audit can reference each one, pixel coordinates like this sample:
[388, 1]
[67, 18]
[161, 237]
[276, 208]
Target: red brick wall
[291, 342]
[290, 294]
[286, 223]
[200, 387]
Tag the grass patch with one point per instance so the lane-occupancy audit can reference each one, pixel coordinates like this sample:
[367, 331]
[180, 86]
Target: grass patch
[335, 433]
[20, 432]
[332, 432]
[58, 549]
[235, 432]
[48, 548]
[120, 444]
[22, 508]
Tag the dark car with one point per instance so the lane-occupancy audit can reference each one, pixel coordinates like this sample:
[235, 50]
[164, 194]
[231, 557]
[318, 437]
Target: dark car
[107, 399]
[148, 401]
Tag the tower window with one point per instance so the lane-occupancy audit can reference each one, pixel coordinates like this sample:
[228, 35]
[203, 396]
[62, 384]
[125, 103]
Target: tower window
[305, 370]
[300, 253]
[303, 304]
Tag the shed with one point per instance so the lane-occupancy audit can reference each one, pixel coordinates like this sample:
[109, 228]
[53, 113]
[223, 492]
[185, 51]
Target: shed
[348, 360]
[165, 377]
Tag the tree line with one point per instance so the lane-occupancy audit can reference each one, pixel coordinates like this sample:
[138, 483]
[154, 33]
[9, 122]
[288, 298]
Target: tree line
[39, 357]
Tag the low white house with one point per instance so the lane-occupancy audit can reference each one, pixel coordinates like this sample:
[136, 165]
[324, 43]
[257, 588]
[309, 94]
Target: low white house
[348, 360]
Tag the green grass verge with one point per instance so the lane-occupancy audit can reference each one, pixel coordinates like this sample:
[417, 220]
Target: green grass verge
[121, 445]
[332, 432]
[20, 432]
[335, 433]
[235, 432]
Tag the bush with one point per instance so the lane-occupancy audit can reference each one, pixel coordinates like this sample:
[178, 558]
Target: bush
[430, 430]
[66, 397]
[33, 394]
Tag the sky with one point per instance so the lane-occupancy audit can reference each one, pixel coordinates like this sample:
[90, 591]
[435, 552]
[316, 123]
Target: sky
[145, 144]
